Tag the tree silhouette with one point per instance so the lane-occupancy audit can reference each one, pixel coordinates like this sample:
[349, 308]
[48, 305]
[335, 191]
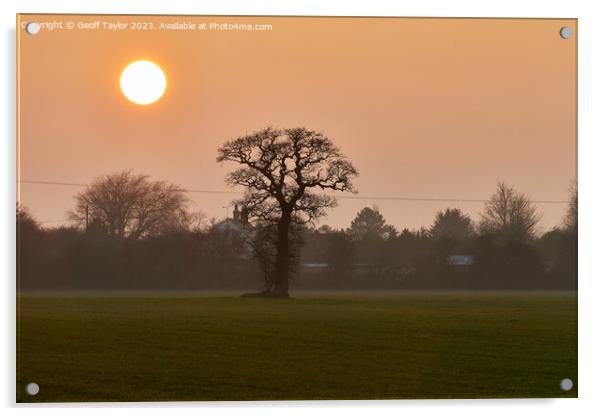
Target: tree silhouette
[371, 234]
[265, 251]
[130, 206]
[29, 246]
[509, 215]
[452, 224]
[280, 170]
[339, 254]
[25, 221]
[370, 223]
[570, 220]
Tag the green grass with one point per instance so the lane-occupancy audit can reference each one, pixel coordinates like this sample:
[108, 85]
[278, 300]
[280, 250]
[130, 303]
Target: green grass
[173, 346]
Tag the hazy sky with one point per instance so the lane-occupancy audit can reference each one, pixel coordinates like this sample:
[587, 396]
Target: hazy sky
[424, 108]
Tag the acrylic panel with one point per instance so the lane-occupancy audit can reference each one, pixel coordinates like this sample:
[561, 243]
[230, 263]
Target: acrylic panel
[295, 208]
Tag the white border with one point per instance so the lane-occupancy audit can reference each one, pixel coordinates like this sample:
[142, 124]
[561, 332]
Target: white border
[590, 134]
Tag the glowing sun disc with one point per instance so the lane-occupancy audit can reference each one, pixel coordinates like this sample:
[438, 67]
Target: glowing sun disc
[143, 82]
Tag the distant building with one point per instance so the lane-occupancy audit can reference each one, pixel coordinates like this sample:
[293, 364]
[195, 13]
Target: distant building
[239, 226]
[241, 216]
[461, 261]
[315, 265]
[238, 222]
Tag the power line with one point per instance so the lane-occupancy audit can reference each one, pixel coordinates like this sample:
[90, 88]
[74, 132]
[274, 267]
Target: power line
[84, 185]
[356, 197]
[401, 198]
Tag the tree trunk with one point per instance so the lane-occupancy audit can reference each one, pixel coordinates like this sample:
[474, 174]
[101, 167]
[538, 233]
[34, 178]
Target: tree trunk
[282, 256]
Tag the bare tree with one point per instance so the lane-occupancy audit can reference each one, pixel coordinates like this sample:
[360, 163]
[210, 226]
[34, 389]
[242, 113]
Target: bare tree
[182, 221]
[130, 206]
[570, 220]
[25, 219]
[510, 215]
[280, 169]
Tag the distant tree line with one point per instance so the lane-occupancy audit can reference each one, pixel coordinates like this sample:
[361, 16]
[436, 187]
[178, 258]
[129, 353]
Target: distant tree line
[129, 232]
[501, 251]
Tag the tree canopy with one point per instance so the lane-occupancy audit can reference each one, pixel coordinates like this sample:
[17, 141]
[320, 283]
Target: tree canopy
[370, 223]
[452, 224]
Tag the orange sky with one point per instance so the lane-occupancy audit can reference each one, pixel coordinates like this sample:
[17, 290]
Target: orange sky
[424, 108]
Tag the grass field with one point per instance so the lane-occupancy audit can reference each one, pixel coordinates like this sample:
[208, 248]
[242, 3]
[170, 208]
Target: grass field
[152, 347]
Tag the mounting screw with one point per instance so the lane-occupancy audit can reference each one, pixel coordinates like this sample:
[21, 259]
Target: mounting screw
[32, 389]
[566, 32]
[32, 28]
[566, 384]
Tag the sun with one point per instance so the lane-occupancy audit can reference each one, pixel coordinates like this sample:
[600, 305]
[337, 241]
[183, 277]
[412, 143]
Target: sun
[143, 82]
